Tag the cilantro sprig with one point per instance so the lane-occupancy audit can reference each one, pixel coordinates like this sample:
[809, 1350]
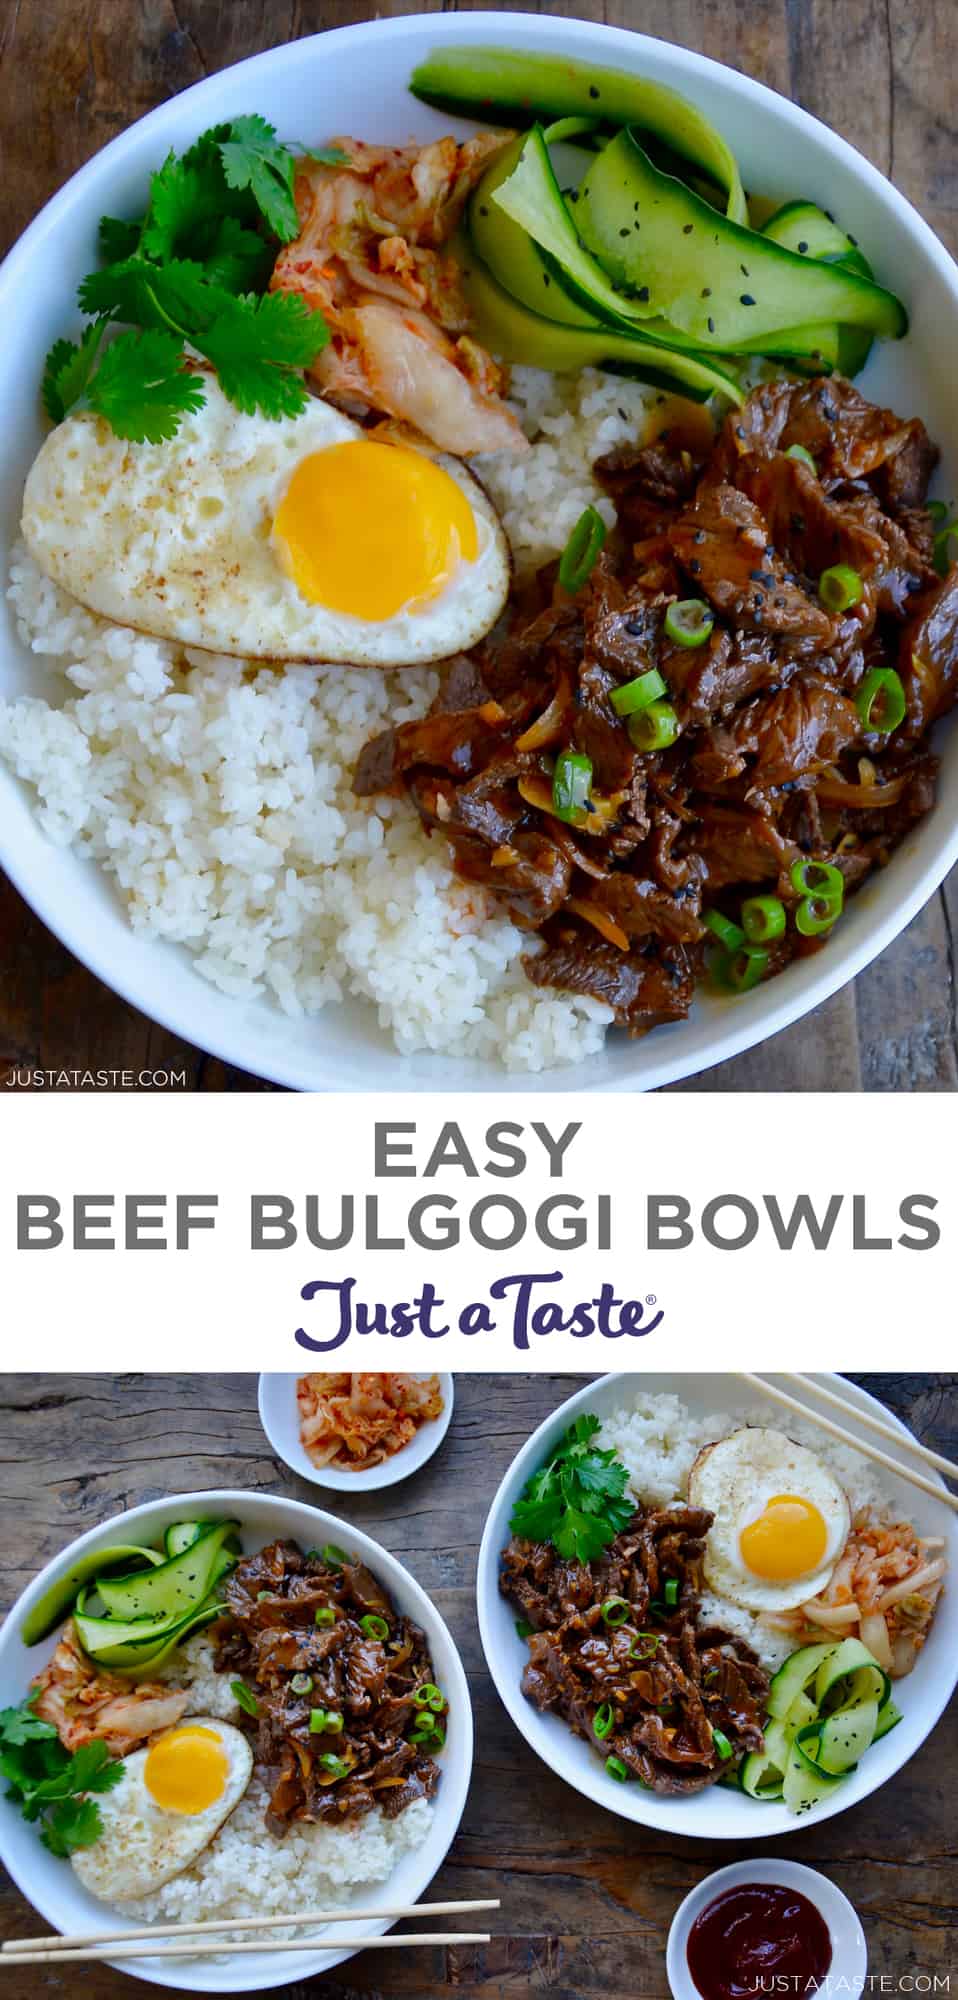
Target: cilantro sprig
[576, 1500]
[191, 273]
[49, 1784]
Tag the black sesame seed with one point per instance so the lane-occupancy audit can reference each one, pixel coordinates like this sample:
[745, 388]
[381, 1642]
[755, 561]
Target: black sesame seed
[761, 576]
[711, 325]
[593, 92]
[779, 603]
[740, 430]
[706, 291]
[695, 567]
[853, 240]
[746, 299]
[482, 210]
[699, 536]
[798, 523]
[802, 249]
[623, 414]
[744, 270]
[623, 232]
[686, 228]
[642, 294]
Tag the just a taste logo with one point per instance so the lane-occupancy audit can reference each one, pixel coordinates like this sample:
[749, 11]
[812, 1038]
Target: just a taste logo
[522, 1307]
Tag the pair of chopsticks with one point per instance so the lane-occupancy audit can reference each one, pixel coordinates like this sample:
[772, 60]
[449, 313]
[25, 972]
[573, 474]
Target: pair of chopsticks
[143, 1942]
[902, 1440]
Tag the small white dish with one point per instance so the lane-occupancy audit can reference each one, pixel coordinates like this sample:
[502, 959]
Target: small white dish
[846, 1973]
[279, 1416]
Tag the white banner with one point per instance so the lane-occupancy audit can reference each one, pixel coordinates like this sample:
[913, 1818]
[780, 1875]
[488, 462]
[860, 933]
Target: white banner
[257, 1231]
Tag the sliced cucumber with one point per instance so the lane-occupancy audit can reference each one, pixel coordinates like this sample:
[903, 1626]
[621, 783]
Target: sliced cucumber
[507, 87]
[514, 333]
[716, 280]
[852, 1662]
[805, 1783]
[762, 1773]
[512, 255]
[175, 1587]
[530, 196]
[845, 1735]
[802, 227]
[137, 1645]
[57, 1601]
[182, 1535]
[794, 1676]
[888, 1717]
[801, 1712]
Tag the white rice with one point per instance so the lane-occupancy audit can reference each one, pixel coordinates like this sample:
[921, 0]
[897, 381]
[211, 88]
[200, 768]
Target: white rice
[246, 1867]
[217, 795]
[658, 1440]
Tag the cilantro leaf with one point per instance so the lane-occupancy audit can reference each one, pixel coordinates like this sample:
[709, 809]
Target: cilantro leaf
[142, 388]
[258, 349]
[73, 1823]
[68, 370]
[252, 158]
[577, 1500]
[177, 296]
[23, 1725]
[237, 258]
[118, 239]
[185, 202]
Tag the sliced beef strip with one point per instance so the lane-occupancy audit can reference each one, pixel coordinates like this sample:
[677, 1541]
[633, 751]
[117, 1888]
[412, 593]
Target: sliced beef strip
[642, 992]
[722, 543]
[737, 845]
[928, 655]
[780, 737]
[851, 438]
[642, 909]
[532, 875]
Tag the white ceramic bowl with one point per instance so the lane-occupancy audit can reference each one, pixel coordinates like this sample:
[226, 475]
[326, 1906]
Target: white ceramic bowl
[719, 1813]
[51, 1885]
[279, 1417]
[355, 80]
[846, 1974]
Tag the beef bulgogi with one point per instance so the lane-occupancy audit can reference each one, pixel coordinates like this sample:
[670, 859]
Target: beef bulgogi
[616, 1649]
[791, 749]
[347, 1711]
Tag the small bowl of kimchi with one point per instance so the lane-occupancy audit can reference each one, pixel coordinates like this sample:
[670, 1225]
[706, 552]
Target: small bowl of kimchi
[355, 1432]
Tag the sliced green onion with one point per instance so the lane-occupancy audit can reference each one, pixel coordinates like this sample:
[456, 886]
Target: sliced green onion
[637, 694]
[672, 1591]
[816, 878]
[571, 785]
[880, 700]
[336, 1766]
[578, 558]
[816, 915]
[333, 1556]
[524, 1628]
[689, 621]
[603, 1721]
[730, 935]
[317, 1721]
[615, 1611]
[245, 1696]
[763, 919]
[428, 1735]
[302, 1683]
[334, 1722]
[722, 1744]
[652, 1640]
[655, 727]
[429, 1696]
[325, 1615]
[265, 1596]
[374, 1626]
[616, 1769]
[802, 457]
[738, 971]
[840, 587]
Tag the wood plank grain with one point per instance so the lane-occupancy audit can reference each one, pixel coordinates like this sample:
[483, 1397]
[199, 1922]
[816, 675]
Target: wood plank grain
[587, 1899]
[73, 73]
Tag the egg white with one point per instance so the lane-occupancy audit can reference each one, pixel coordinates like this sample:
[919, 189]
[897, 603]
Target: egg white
[174, 539]
[735, 1478]
[142, 1844]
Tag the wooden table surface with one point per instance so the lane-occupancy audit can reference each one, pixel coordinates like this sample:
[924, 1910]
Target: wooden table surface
[73, 73]
[587, 1899]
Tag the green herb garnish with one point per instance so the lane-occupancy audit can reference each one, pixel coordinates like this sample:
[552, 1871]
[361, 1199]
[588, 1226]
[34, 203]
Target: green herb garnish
[575, 1501]
[50, 1785]
[192, 273]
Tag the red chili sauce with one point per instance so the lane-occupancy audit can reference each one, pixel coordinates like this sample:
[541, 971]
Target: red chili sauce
[756, 1940]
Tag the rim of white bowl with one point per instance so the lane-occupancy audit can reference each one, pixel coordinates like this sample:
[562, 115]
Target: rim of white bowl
[810, 982]
[228, 1500]
[403, 1464]
[591, 1780]
[849, 1962]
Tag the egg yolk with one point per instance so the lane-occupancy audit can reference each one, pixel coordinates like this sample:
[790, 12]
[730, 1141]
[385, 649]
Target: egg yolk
[186, 1770]
[787, 1539]
[372, 529]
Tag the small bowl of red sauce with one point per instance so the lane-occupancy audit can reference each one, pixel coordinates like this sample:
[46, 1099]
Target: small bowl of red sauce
[765, 1930]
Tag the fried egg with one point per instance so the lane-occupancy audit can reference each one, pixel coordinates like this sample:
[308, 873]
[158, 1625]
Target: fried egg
[171, 1800]
[300, 539]
[781, 1519]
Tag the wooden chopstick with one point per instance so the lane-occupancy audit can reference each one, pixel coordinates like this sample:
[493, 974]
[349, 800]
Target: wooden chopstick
[865, 1418]
[871, 1451]
[219, 1924]
[392, 1940]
